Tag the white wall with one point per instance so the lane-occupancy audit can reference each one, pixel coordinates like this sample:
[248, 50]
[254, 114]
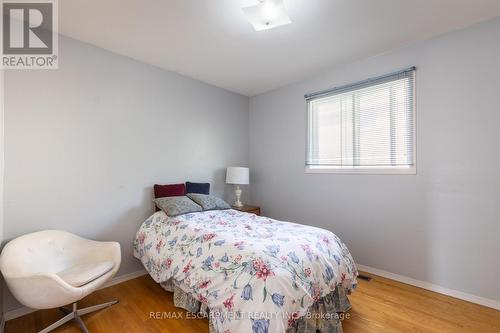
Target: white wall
[85, 143]
[2, 284]
[2, 141]
[441, 225]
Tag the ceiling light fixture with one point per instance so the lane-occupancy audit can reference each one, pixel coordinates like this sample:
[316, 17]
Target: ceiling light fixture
[267, 14]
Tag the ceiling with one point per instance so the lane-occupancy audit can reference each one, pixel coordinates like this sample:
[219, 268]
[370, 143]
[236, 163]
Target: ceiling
[211, 41]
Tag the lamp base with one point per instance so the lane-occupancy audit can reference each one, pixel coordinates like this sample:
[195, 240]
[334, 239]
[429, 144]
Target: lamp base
[237, 193]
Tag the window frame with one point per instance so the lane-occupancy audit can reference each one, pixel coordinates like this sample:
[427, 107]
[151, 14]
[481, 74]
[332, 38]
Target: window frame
[368, 170]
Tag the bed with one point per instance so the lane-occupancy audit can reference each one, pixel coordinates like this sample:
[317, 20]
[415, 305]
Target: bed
[249, 273]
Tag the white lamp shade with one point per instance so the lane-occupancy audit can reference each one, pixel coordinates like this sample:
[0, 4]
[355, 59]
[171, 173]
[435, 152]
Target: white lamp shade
[237, 175]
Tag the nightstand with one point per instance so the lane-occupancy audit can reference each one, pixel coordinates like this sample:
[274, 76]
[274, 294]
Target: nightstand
[248, 209]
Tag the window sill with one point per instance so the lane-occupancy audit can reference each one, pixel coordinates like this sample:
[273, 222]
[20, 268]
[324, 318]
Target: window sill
[364, 170]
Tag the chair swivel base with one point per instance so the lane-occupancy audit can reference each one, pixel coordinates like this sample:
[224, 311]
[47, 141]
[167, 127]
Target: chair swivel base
[75, 314]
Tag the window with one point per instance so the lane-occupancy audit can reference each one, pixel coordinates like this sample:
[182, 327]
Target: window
[367, 127]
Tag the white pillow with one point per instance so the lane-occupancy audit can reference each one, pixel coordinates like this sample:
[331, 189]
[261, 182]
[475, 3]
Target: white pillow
[80, 275]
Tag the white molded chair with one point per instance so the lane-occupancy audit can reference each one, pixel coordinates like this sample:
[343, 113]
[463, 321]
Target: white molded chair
[53, 268]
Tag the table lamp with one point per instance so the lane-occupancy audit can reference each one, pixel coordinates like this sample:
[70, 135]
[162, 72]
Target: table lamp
[237, 176]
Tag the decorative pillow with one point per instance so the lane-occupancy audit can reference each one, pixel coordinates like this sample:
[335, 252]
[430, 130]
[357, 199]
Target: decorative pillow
[202, 188]
[174, 206]
[80, 275]
[208, 202]
[173, 190]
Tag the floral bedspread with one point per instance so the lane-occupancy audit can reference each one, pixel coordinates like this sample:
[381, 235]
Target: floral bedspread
[256, 274]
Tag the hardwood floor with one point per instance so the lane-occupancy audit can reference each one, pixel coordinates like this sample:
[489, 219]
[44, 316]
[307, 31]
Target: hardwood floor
[381, 305]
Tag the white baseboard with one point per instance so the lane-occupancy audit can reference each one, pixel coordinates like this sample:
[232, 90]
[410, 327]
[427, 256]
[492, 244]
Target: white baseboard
[19, 312]
[433, 287]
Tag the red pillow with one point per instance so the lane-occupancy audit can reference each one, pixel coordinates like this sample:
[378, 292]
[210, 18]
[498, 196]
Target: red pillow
[173, 190]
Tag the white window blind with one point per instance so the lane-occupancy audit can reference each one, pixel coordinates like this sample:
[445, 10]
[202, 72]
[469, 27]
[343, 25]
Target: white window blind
[367, 125]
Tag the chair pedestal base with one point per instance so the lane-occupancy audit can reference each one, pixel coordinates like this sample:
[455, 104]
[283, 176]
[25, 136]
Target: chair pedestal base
[75, 314]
